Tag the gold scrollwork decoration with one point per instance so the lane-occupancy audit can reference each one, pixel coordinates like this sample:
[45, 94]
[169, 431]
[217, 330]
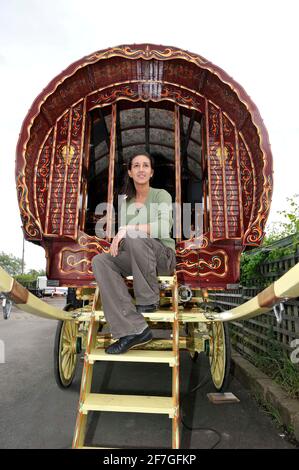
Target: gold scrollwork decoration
[214, 264]
[221, 157]
[30, 223]
[147, 53]
[86, 241]
[256, 232]
[218, 259]
[67, 154]
[192, 245]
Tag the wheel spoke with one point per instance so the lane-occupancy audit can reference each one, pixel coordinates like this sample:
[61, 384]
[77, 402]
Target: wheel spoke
[64, 363]
[67, 356]
[67, 367]
[74, 361]
[217, 353]
[219, 369]
[66, 340]
[67, 332]
[65, 350]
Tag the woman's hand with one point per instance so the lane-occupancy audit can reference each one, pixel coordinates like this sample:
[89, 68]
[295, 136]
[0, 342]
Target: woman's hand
[115, 242]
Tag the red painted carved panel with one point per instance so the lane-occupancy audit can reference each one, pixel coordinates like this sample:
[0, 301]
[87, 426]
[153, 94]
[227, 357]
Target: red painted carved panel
[65, 174]
[215, 174]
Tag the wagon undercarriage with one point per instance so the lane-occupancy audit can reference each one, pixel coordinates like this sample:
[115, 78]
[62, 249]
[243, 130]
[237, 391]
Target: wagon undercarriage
[191, 325]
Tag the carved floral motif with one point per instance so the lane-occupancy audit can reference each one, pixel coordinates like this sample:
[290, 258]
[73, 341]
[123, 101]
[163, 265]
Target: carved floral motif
[30, 225]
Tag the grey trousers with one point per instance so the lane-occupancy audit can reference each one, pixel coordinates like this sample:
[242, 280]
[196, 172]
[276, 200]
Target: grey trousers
[144, 258]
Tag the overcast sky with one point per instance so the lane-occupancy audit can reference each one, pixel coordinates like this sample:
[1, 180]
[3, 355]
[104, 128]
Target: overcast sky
[255, 42]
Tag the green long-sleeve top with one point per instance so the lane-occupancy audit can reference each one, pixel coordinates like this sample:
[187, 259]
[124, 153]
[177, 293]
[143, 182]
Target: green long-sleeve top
[156, 211]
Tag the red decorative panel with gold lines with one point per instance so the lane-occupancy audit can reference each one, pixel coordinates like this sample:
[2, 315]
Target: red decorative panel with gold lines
[70, 262]
[226, 211]
[41, 184]
[199, 263]
[215, 174]
[234, 209]
[204, 264]
[247, 181]
[72, 188]
[145, 92]
[65, 173]
[58, 175]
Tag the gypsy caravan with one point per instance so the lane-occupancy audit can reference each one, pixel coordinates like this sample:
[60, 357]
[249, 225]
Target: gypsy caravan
[211, 150]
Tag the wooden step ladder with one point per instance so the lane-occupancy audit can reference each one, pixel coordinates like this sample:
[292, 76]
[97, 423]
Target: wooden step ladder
[130, 403]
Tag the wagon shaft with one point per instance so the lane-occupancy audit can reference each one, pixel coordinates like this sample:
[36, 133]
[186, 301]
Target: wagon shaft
[285, 288]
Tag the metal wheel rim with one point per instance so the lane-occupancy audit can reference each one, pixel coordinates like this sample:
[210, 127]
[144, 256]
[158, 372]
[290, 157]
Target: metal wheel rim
[217, 354]
[67, 351]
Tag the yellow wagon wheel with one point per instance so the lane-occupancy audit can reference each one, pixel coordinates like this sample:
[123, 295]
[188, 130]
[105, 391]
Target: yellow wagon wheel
[219, 354]
[65, 353]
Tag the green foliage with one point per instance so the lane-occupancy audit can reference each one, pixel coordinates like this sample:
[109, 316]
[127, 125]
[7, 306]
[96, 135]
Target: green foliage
[278, 366]
[251, 268]
[13, 266]
[29, 279]
[289, 224]
[268, 409]
[35, 273]
[274, 362]
[289, 227]
[271, 410]
[278, 253]
[10, 263]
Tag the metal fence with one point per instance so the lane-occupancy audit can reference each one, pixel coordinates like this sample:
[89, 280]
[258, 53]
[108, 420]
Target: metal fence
[257, 335]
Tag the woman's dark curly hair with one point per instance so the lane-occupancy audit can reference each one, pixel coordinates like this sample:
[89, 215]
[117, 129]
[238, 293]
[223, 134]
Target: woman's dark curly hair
[128, 186]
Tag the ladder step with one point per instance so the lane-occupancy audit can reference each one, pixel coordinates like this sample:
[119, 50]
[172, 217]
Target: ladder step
[159, 315]
[186, 315]
[162, 357]
[163, 279]
[128, 404]
[94, 447]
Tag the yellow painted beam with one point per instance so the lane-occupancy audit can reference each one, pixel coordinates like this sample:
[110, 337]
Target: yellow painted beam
[162, 357]
[128, 403]
[285, 288]
[30, 303]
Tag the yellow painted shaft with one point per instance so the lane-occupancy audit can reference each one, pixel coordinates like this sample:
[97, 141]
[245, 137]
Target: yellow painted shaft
[284, 288]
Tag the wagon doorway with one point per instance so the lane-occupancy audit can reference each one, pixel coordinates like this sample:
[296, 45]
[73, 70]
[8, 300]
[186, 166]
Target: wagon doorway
[171, 134]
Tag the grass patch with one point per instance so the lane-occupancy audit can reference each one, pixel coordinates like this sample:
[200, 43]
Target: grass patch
[269, 410]
[278, 366]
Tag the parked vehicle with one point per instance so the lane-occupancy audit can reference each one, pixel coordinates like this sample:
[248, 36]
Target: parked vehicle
[61, 291]
[43, 286]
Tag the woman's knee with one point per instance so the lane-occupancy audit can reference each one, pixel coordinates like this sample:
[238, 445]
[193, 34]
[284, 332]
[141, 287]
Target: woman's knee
[135, 239]
[98, 260]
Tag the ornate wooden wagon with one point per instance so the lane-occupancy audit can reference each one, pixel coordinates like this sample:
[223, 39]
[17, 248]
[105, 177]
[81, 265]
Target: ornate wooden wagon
[210, 143]
[210, 147]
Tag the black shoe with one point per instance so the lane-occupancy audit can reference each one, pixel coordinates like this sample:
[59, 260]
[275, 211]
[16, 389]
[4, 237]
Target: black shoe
[128, 342]
[147, 308]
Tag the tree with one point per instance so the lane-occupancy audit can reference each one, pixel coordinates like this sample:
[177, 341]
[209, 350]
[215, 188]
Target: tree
[29, 279]
[288, 226]
[34, 273]
[10, 263]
